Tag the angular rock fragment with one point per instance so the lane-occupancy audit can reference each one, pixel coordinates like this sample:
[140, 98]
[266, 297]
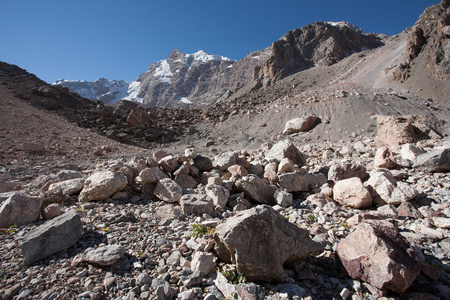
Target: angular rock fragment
[385, 189]
[351, 192]
[19, 209]
[285, 149]
[300, 124]
[376, 253]
[105, 256]
[51, 237]
[261, 242]
[345, 170]
[203, 262]
[226, 160]
[411, 151]
[150, 175]
[196, 204]
[101, 185]
[67, 187]
[168, 190]
[434, 161]
[256, 189]
[218, 194]
[294, 182]
[384, 158]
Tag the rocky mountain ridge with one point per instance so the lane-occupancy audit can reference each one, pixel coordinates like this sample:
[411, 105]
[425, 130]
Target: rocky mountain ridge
[200, 79]
[103, 89]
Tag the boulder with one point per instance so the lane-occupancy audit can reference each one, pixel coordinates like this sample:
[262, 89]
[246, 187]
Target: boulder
[256, 189]
[406, 209]
[226, 160]
[396, 131]
[436, 161]
[105, 256]
[294, 182]
[385, 189]
[150, 175]
[52, 211]
[51, 237]
[384, 158]
[139, 118]
[186, 181]
[283, 198]
[169, 163]
[203, 262]
[345, 170]
[101, 185]
[218, 194]
[168, 190]
[411, 151]
[19, 209]
[196, 204]
[238, 171]
[67, 187]
[300, 124]
[286, 166]
[376, 253]
[351, 192]
[203, 163]
[261, 255]
[285, 149]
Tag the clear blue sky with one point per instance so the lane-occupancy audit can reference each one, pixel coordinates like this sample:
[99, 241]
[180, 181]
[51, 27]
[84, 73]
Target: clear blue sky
[119, 39]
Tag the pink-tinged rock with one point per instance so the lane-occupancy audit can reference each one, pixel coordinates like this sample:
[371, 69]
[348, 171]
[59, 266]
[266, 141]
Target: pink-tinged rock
[169, 163]
[376, 253]
[101, 185]
[411, 151]
[351, 192]
[168, 190]
[385, 189]
[150, 175]
[286, 166]
[384, 158]
[237, 171]
[299, 124]
[158, 155]
[19, 209]
[261, 242]
[52, 211]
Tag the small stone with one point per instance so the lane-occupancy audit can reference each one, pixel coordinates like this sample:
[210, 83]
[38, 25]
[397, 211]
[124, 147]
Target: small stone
[105, 256]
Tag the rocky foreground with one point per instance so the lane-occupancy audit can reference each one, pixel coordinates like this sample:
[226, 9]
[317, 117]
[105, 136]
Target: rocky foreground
[357, 219]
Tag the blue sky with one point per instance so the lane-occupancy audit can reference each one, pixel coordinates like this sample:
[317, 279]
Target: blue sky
[120, 39]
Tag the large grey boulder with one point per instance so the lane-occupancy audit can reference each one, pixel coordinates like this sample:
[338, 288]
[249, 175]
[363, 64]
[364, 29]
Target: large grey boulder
[168, 190]
[261, 242]
[225, 160]
[376, 253]
[351, 192]
[101, 185]
[218, 194]
[51, 237]
[196, 204]
[67, 187]
[150, 175]
[285, 149]
[295, 182]
[256, 189]
[19, 209]
[302, 124]
[434, 161]
[105, 256]
[345, 170]
[385, 189]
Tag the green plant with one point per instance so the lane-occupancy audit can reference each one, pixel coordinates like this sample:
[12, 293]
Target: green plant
[12, 229]
[234, 277]
[311, 218]
[199, 230]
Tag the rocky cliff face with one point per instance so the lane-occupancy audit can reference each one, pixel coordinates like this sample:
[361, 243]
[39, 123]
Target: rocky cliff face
[429, 39]
[99, 90]
[317, 44]
[199, 79]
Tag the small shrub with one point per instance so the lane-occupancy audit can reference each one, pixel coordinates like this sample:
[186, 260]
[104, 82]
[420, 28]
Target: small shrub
[199, 230]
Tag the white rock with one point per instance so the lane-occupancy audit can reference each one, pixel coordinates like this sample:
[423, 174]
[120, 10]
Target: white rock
[101, 185]
[203, 262]
[168, 190]
[351, 192]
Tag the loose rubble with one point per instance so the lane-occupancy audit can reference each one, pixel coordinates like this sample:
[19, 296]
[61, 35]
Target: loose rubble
[140, 234]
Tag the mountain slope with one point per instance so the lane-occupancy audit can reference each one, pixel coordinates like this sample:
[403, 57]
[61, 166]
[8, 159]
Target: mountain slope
[103, 89]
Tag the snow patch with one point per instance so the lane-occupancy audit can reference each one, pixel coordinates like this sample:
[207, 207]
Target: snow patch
[133, 92]
[342, 24]
[163, 72]
[186, 100]
[204, 57]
